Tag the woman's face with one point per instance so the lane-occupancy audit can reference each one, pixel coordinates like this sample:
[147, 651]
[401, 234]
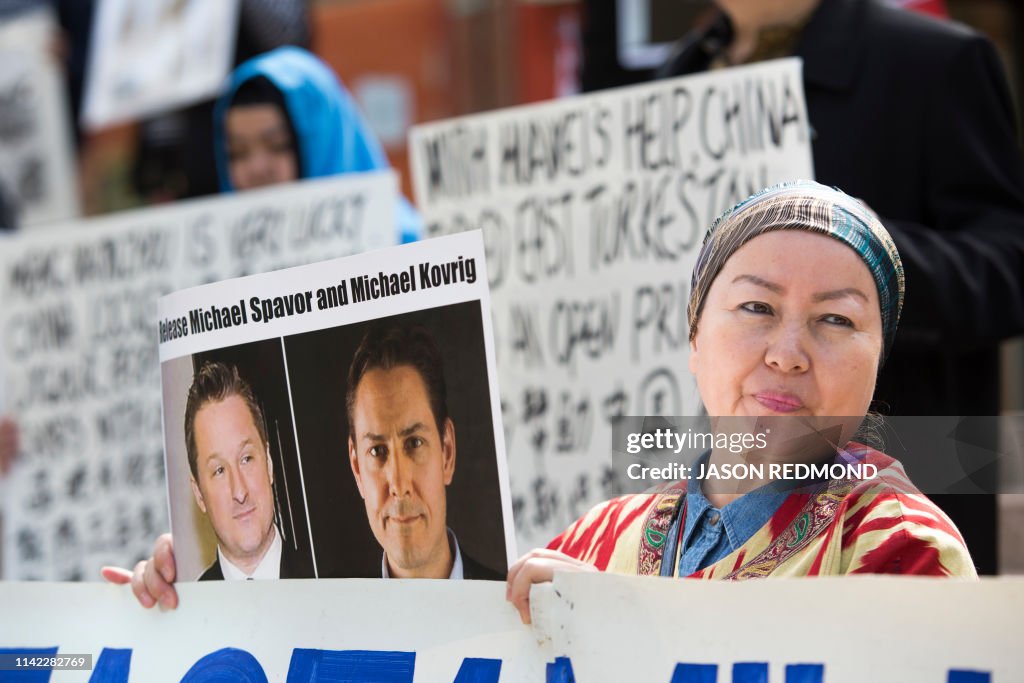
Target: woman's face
[260, 147]
[791, 326]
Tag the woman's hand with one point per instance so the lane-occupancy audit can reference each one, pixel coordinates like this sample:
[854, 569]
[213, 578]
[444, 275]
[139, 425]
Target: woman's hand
[153, 579]
[538, 566]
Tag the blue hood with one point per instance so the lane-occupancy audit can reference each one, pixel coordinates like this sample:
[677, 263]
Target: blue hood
[332, 136]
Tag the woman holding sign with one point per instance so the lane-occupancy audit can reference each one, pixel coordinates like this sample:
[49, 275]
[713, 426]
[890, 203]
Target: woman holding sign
[794, 303]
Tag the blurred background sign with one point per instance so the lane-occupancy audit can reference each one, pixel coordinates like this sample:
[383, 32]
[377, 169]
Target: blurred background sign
[81, 360]
[36, 171]
[149, 57]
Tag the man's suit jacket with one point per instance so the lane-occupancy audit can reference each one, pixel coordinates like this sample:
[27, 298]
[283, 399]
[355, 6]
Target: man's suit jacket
[473, 570]
[292, 567]
[213, 572]
[913, 115]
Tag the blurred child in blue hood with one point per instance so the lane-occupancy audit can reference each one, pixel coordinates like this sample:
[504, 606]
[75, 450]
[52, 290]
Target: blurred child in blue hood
[285, 116]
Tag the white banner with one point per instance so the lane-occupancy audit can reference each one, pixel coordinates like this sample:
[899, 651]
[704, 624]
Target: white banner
[36, 167]
[336, 486]
[593, 209]
[822, 630]
[587, 628]
[154, 56]
[79, 352]
[328, 630]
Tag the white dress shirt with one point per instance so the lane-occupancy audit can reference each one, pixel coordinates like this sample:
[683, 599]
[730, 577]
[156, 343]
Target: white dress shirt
[268, 568]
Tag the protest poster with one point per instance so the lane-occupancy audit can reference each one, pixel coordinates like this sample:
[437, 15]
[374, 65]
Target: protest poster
[258, 631]
[154, 56]
[593, 209]
[36, 168]
[827, 630]
[590, 628]
[320, 416]
[80, 354]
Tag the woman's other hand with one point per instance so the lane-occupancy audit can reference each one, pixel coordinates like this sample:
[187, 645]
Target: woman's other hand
[537, 566]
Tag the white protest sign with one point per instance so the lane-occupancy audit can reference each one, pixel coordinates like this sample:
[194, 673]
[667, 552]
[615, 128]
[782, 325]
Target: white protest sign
[822, 630]
[80, 352]
[149, 57]
[588, 628]
[414, 631]
[333, 360]
[36, 168]
[593, 209]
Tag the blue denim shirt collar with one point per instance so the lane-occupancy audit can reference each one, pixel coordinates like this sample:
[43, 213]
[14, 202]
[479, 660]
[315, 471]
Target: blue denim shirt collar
[741, 518]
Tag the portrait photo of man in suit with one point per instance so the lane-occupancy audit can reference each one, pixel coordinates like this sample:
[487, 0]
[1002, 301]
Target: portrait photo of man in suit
[355, 451]
[402, 450]
[232, 475]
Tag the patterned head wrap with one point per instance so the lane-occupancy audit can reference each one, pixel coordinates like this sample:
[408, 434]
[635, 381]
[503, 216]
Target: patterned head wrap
[804, 205]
